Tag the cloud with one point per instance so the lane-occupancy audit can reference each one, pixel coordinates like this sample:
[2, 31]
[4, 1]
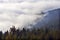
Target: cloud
[23, 14]
[19, 1]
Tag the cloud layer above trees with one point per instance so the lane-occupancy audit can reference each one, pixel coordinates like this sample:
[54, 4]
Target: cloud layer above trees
[24, 13]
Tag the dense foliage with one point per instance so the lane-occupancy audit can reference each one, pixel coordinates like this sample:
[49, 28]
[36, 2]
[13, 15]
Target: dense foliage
[26, 34]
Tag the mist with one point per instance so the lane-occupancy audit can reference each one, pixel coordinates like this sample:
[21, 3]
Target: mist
[24, 14]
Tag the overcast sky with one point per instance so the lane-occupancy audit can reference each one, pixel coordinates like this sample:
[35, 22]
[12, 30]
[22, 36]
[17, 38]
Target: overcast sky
[24, 13]
[25, 0]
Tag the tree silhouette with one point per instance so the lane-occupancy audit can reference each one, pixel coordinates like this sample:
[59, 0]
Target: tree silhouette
[26, 34]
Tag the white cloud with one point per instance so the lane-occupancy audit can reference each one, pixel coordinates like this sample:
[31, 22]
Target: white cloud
[23, 14]
[19, 1]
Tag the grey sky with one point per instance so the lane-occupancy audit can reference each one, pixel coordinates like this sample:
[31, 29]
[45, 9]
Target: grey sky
[19, 1]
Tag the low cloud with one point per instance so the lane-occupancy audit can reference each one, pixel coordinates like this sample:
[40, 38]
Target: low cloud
[23, 14]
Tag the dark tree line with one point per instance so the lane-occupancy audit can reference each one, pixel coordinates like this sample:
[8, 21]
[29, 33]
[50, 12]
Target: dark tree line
[39, 34]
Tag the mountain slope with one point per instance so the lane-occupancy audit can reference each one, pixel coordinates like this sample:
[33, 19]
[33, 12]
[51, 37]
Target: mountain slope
[51, 20]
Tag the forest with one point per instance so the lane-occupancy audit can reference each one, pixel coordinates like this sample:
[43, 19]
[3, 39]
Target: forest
[34, 34]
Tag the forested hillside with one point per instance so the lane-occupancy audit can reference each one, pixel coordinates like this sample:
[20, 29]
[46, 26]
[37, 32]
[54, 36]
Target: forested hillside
[26, 34]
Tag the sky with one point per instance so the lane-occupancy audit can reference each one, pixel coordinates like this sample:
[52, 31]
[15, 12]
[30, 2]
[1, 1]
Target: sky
[22, 13]
[25, 0]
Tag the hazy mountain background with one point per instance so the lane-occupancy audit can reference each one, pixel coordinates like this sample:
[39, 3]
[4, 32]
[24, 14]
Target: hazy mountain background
[51, 20]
